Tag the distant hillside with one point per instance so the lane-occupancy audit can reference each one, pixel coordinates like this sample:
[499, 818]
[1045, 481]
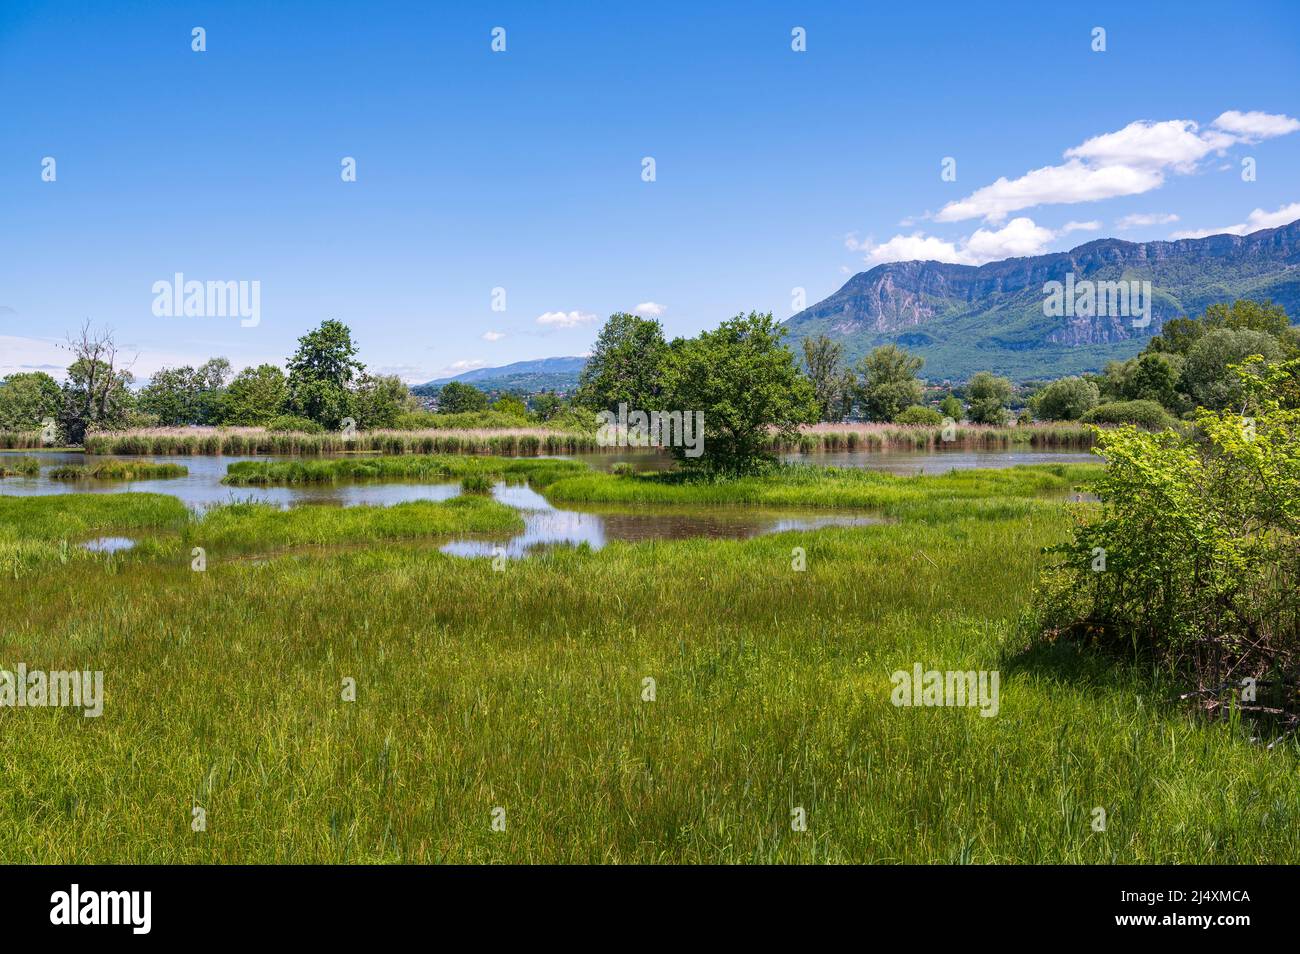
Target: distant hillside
[525, 377]
[964, 318]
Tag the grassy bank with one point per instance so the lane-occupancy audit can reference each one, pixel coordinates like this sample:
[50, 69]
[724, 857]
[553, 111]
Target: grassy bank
[117, 470]
[804, 486]
[415, 467]
[523, 689]
[47, 531]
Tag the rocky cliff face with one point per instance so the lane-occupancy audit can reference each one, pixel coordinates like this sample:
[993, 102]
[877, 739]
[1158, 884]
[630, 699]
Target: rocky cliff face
[999, 306]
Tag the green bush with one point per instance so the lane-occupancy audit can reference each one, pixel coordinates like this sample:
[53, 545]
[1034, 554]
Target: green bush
[919, 414]
[301, 425]
[1193, 558]
[1146, 414]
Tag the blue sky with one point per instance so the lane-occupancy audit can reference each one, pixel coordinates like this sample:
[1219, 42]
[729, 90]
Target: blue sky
[774, 169]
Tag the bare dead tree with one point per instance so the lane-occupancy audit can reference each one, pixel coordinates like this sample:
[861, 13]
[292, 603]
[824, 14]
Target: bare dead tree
[95, 358]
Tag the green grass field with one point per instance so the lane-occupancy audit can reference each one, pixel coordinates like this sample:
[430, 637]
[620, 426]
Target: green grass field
[522, 689]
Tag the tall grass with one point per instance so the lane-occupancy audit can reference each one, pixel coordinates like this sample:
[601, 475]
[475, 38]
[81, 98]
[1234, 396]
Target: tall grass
[881, 437]
[532, 441]
[523, 689]
[804, 486]
[19, 466]
[415, 467]
[117, 470]
[21, 440]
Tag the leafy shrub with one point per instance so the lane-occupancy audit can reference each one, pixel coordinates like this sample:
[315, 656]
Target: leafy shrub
[1146, 414]
[301, 425]
[919, 414]
[1194, 555]
[1066, 399]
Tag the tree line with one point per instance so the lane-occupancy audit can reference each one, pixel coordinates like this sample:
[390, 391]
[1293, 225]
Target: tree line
[325, 384]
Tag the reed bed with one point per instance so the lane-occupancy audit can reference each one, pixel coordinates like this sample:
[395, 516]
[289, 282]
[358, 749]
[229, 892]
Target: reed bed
[21, 440]
[883, 437]
[19, 466]
[521, 442]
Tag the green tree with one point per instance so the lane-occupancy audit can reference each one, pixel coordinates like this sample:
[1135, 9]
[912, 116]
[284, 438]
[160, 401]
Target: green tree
[626, 365]
[510, 404]
[889, 382]
[1207, 375]
[988, 398]
[27, 400]
[186, 395]
[747, 385]
[380, 399]
[321, 373]
[1155, 378]
[1066, 399]
[950, 407]
[547, 405]
[255, 396]
[457, 397]
[832, 383]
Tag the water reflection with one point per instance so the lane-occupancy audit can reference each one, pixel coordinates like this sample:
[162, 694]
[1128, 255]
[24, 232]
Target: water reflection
[548, 525]
[109, 544]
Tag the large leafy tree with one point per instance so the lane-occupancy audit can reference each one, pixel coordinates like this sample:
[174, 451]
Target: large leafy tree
[626, 365]
[255, 396]
[987, 397]
[380, 399]
[1066, 399]
[457, 397]
[27, 400]
[1207, 375]
[186, 395]
[321, 374]
[888, 382]
[832, 383]
[748, 386]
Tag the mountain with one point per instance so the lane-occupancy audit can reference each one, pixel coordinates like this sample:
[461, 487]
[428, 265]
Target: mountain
[966, 318]
[525, 377]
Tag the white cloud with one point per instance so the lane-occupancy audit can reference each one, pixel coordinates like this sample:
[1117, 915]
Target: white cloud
[1129, 161]
[1019, 237]
[1140, 220]
[1065, 184]
[565, 319]
[1254, 126]
[1174, 144]
[1259, 219]
[649, 309]
[493, 335]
